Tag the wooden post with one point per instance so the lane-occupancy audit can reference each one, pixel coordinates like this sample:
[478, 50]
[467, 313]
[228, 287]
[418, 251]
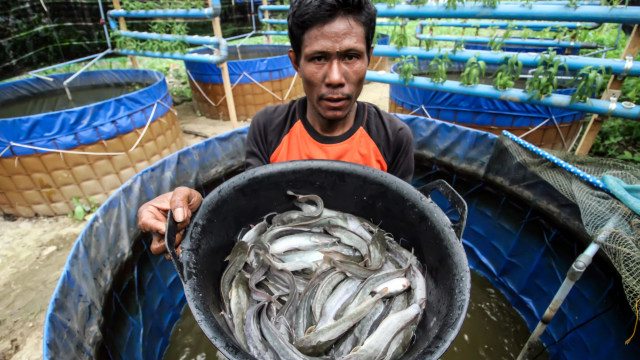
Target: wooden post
[123, 26]
[266, 16]
[613, 90]
[226, 81]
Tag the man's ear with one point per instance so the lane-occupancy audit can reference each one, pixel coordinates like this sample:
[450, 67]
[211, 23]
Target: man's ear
[294, 60]
[370, 55]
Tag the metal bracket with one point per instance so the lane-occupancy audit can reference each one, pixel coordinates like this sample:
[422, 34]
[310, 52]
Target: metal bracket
[613, 102]
[627, 67]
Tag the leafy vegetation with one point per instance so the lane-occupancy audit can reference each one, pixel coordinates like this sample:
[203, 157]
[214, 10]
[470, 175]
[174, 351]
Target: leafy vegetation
[458, 45]
[399, 35]
[544, 79]
[619, 139]
[489, 3]
[589, 82]
[507, 73]
[473, 70]
[130, 5]
[83, 208]
[177, 28]
[437, 69]
[453, 4]
[408, 66]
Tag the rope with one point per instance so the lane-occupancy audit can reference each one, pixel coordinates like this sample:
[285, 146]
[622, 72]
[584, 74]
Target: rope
[423, 109]
[201, 92]
[5, 150]
[205, 95]
[564, 143]
[144, 131]
[534, 129]
[295, 76]
[635, 326]
[262, 86]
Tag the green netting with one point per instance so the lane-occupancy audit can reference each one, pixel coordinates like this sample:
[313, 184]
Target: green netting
[605, 218]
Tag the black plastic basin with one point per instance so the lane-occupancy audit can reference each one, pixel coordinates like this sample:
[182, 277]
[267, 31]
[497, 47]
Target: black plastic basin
[414, 220]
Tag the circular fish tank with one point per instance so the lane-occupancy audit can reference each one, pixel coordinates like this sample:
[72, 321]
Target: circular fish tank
[555, 129]
[117, 300]
[56, 146]
[260, 75]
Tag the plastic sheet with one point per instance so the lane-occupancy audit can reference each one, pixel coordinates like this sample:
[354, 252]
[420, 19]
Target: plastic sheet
[508, 239]
[66, 129]
[261, 62]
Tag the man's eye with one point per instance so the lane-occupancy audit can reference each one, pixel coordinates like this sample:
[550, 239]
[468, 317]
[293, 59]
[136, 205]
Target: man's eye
[318, 59]
[351, 57]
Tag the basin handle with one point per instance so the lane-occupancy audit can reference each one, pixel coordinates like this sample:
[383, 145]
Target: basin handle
[170, 242]
[454, 199]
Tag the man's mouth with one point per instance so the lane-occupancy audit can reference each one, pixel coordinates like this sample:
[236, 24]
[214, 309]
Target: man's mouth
[335, 100]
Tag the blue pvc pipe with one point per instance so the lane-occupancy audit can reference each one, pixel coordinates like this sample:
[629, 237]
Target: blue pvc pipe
[212, 59]
[514, 25]
[274, 21]
[599, 14]
[510, 41]
[207, 13]
[284, 22]
[262, 8]
[595, 106]
[195, 39]
[274, 32]
[615, 66]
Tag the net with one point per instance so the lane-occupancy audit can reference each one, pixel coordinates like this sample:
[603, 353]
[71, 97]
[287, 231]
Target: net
[604, 217]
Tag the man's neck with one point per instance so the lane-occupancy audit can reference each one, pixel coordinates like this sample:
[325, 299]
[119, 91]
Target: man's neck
[331, 127]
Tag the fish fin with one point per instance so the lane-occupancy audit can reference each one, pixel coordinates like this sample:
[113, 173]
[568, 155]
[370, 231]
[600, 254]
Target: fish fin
[310, 330]
[355, 349]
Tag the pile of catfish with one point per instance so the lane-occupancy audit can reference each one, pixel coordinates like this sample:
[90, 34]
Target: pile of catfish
[319, 283]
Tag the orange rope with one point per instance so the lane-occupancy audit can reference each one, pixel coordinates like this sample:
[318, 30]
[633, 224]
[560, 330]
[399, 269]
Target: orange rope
[635, 327]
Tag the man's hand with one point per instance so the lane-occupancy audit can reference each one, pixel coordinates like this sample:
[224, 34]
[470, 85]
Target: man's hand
[152, 216]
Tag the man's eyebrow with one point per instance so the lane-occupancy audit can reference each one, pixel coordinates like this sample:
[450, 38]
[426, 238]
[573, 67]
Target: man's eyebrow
[341, 51]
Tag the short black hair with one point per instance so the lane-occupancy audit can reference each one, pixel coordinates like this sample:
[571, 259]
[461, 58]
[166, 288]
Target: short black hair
[306, 14]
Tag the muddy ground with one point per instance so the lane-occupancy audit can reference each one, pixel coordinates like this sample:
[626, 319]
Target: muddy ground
[33, 251]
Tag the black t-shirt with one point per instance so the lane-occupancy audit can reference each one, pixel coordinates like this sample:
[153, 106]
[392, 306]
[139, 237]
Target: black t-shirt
[377, 139]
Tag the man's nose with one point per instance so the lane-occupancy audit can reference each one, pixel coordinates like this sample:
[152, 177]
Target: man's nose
[335, 75]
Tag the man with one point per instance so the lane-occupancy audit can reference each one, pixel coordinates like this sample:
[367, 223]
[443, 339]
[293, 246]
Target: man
[331, 46]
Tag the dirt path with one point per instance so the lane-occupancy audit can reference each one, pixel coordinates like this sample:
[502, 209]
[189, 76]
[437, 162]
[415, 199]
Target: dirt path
[33, 251]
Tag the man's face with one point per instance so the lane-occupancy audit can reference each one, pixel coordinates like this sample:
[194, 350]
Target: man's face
[333, 64]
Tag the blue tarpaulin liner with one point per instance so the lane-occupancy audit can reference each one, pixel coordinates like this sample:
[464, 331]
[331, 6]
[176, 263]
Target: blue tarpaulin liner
[261, 62]
[82, 125]
[473, 110]
[508, 240]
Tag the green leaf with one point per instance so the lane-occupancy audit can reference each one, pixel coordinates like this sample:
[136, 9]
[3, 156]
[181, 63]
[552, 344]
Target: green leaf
[79, 213]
